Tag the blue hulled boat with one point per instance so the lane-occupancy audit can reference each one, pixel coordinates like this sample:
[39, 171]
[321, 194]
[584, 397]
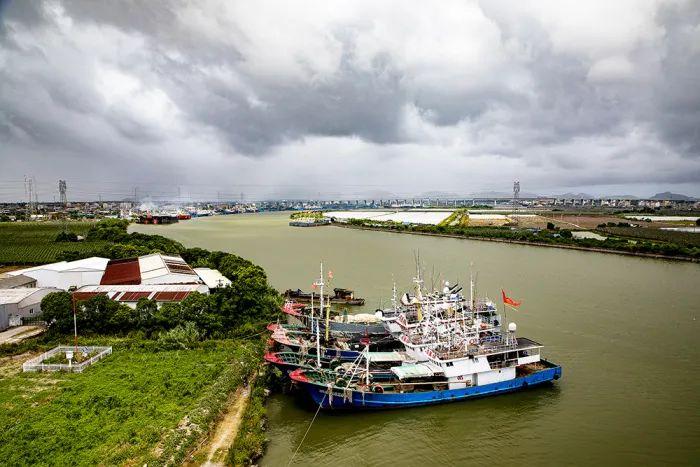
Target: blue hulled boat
[330, 396]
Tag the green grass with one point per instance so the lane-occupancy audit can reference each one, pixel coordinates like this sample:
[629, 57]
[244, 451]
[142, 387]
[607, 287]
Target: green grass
[119, 410]
[33, 242]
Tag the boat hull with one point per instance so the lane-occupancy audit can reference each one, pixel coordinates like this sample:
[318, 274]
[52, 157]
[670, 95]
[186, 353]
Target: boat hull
[357, 400]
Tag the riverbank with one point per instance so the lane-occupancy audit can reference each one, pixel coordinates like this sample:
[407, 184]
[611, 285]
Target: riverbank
[519, 242]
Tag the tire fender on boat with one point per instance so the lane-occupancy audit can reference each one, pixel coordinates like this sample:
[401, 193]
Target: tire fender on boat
[378, 389]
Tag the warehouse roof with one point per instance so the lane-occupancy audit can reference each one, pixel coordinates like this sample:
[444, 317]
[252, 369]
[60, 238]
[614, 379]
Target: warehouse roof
[17, 295]
[12, 282]
[93, 263]
[212, 277]
[150, 269]
[132, 293]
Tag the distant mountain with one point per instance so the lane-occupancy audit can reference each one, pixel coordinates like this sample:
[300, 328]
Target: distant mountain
[667, 195]
[439, 194]
[500, 194]
[574, 196]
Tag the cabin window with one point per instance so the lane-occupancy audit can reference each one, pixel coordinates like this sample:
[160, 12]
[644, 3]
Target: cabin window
[449, 364]
[31, 311]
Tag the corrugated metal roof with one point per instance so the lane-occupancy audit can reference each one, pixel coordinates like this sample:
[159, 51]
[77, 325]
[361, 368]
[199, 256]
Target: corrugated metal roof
[132, 293]
[17, 295]
[16, 281]
[94, 263]
[212, 277]
[122, 271]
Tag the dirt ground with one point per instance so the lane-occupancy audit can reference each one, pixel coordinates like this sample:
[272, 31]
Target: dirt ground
[568, 221]
[215, 449]
[4, 269]
[18, 334]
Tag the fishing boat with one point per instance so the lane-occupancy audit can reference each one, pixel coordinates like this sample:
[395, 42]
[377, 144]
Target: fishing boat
[449, 362]
[360, 324]
[335, 346]
[449, 375]
[340, 297]
[287, 362]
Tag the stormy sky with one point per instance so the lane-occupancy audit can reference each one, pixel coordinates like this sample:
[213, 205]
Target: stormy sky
[337, 99]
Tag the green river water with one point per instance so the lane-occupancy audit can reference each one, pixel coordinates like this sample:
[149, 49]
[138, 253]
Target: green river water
[624, 330]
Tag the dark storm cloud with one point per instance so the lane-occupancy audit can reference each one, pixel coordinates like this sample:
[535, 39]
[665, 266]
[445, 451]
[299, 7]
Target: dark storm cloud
[550, 90]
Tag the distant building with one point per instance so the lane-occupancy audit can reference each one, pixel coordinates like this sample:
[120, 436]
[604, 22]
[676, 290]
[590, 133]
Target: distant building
[213, 278]
[21, 303]
[131, 294]
[149, 269]
[66, 274]
[17, 282]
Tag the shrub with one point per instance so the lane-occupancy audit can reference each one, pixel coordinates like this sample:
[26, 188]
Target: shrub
[65, 236]
[181, 337]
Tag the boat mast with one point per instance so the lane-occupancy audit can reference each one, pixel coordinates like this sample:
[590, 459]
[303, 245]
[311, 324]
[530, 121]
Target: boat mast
[328, 311]
[471, 286]
[318, 332]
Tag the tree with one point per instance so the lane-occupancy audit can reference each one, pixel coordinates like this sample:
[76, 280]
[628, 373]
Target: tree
[66, 236]
[57, 311]
[550, 226]
[566, 233]
[198, 309]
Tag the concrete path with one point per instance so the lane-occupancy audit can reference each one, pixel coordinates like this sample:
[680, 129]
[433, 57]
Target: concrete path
[19, 333]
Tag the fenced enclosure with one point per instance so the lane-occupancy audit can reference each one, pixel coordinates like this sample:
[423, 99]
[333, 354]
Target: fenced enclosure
[53, 360]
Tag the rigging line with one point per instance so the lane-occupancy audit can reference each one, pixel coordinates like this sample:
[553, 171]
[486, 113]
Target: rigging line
[307, 430]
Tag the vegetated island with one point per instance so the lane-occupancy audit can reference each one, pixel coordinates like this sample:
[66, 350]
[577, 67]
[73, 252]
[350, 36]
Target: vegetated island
[622, 237]
[174, 366]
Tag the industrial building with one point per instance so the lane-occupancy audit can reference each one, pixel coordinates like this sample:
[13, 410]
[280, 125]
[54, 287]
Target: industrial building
[17, 282]
[66, 274]
[131, 294]
[212, 277]
[21, 303]
[149, 269]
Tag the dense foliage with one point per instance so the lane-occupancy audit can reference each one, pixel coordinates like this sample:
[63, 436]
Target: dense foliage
[306, 215]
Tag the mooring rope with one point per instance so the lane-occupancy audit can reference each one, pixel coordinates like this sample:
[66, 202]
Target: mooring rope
[307, 430]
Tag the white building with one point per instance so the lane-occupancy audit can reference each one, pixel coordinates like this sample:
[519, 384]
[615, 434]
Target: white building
[67, 274]
[212, 277]
[21, 303]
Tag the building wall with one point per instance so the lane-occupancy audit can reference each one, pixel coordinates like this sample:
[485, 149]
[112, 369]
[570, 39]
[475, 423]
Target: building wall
[65, 280]
[4, 318]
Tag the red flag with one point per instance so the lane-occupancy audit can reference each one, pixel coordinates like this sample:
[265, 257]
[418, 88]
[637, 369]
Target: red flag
[313, 285]
[330, 274]
[509, 301]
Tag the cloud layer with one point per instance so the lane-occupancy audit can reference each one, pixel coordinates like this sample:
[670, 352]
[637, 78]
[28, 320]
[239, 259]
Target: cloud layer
[349, 98]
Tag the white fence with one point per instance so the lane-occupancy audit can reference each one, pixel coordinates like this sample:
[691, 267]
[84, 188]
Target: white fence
[37, 364]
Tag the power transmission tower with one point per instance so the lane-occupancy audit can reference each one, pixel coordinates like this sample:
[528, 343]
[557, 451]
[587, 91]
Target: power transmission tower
[516, 193]
[62, 189]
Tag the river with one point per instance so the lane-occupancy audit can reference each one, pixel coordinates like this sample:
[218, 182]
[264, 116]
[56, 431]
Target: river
[624, 329]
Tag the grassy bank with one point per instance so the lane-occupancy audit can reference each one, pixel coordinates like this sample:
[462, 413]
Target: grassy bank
[125, 409]
[636, 246]
[34, 242]
[250, 443]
